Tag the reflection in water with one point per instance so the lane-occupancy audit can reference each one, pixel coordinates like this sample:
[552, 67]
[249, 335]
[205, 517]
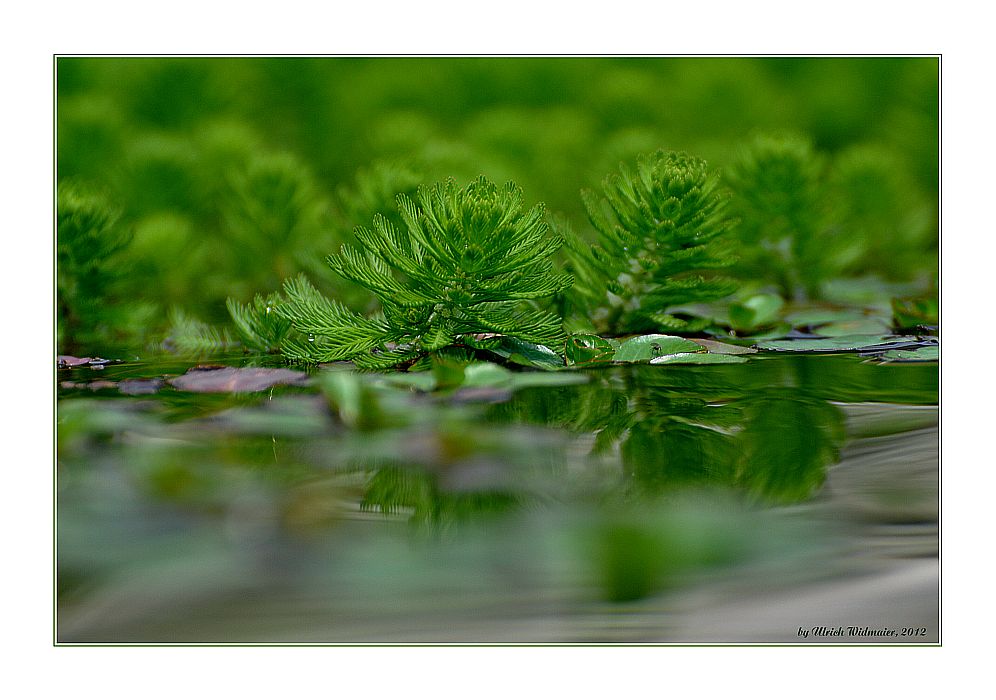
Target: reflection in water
[620, 509]
[759, 432]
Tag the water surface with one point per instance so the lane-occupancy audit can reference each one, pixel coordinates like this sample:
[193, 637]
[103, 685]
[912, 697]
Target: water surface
[776, 501]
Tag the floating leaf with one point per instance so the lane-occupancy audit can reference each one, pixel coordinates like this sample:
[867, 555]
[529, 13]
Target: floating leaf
[698, 358]
[928, 353]
[844, 343]
[646, 347]
[583, 349]
[527, 354]
[718, 348]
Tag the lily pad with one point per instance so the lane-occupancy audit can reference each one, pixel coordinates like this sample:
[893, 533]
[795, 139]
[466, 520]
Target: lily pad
[928, 353]
[719, 348]
[237, 379]
[844, 343]
[646, 347]
[698, 358]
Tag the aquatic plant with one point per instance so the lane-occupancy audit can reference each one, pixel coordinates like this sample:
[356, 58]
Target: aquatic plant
[90, 271]
[258, 326]
[658, 230]
[783, 214]
[467, 262]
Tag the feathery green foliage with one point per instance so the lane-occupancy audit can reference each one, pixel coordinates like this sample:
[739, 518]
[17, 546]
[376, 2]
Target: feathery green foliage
[886, 224]
[657, 229]
[192, 337]
[273, 211]
[374, 191]
[783, 210]
[467, 262]
[806, 220]
[90, 269]
[259, 327]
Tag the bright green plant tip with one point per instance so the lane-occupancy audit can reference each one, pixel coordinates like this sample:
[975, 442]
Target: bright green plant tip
[468, 262]
[660, 232]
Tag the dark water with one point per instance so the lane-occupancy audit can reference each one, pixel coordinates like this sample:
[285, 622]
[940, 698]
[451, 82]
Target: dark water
[788, 496]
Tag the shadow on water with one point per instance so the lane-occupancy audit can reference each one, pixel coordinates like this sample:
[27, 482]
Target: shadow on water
[363, 508]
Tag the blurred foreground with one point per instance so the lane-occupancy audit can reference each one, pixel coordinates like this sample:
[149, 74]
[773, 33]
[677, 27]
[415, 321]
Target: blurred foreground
[734, 503]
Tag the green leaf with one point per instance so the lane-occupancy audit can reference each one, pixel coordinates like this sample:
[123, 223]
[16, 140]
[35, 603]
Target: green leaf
[718, 348]
[698, 358]
[527, 354]
[758, 311]
[646, 347]
[929, 353]
[417, 381]
[850, 343]
[582, 349]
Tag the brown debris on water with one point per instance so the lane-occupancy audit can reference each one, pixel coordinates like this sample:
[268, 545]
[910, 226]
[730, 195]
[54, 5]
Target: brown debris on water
[237, 379]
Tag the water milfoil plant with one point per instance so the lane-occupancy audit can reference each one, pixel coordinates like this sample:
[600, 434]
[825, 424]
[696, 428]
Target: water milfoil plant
[468, 262]
[783, 214]
[94, 310]
[659, 229]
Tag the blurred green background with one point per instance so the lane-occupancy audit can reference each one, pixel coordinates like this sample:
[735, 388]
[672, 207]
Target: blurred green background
[222, 176]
